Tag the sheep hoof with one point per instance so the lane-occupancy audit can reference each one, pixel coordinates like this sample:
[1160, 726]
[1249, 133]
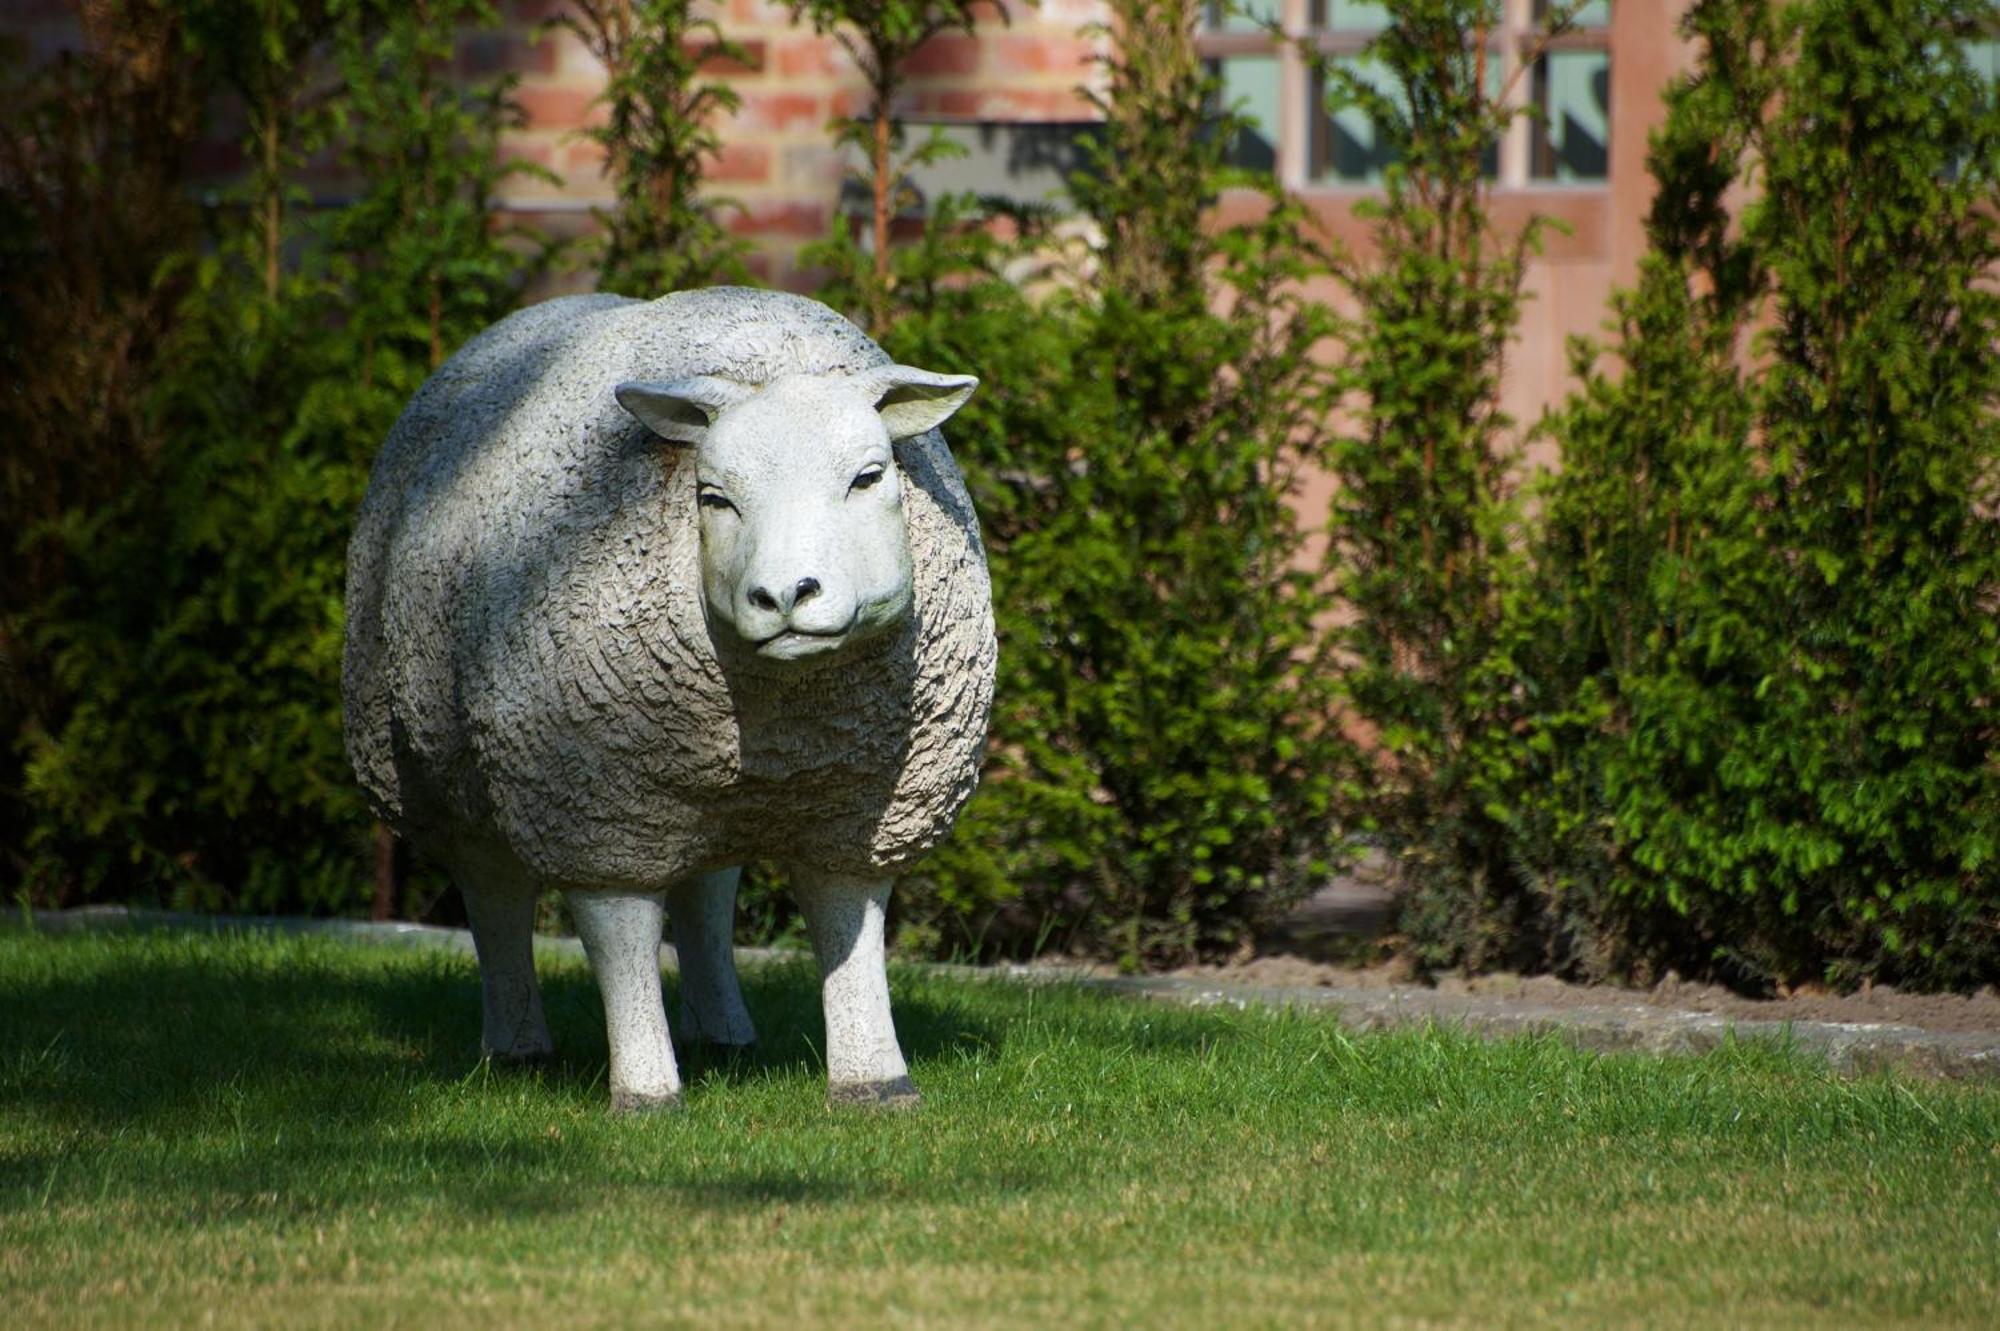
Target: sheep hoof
[640, 1102]
[896, 1093]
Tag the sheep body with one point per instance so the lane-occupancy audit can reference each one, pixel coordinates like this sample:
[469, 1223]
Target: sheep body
[528, 673]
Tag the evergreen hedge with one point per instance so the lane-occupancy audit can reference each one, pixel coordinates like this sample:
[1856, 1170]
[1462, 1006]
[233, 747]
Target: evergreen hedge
[1775, 540]
[186, 749]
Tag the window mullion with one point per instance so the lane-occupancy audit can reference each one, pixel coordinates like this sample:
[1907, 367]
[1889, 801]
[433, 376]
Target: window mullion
[1294, 94]
[1515, 143]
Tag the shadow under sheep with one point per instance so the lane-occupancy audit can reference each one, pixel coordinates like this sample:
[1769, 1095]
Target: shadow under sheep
[300, 1084]
[159, 1036]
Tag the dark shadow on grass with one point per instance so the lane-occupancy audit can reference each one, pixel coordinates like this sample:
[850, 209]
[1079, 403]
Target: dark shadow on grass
[281, 1078]
[164, 1031]
[215, 1076]
[522, 1176]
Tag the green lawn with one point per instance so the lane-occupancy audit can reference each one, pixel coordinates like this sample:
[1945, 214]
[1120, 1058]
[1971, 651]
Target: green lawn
[262, 1131]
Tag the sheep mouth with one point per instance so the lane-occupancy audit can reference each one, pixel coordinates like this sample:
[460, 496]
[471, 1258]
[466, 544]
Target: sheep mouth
[794, 644]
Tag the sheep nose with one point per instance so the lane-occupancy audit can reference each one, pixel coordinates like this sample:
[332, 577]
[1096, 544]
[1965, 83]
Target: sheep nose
[802, 590]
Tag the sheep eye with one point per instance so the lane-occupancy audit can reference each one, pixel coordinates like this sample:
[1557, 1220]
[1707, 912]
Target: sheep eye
[714, 499]
[866, 479]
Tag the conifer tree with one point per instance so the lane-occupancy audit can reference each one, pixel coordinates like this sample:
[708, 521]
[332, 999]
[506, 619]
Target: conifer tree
[659, 136]
[1163, 762]
[198, 760]
[1785, 576]
[881, 36]
[1424, 524]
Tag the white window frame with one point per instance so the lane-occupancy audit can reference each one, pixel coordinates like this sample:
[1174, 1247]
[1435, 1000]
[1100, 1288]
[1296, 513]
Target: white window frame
[1517, 42]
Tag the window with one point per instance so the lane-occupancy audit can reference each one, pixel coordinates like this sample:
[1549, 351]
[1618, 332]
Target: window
[1270, 82]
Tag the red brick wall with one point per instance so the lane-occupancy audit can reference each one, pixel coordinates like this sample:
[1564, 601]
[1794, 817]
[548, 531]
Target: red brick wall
[780, 162]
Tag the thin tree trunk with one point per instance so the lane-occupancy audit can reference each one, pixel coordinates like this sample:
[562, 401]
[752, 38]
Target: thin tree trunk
[273, 204]
[879, 313]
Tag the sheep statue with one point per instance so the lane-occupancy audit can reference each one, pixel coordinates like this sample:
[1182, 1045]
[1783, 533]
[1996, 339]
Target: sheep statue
[641, 590]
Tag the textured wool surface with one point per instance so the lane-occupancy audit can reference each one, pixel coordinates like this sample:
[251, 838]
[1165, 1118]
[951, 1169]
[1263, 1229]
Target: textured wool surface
[528, 670]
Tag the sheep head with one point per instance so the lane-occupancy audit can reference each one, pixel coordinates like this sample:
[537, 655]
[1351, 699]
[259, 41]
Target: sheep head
[804, 550]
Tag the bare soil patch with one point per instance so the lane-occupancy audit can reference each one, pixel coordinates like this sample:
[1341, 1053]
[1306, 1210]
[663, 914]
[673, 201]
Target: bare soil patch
[1976, 1013]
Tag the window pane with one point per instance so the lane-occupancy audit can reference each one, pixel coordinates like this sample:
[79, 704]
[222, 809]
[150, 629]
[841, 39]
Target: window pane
[1252, 15]
[1350, 15]
[1250, 88]
[1348, 149]
[1573, 90]
[1984, 57]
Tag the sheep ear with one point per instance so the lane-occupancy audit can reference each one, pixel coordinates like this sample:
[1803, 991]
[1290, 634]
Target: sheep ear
[683, 410]
[912, 401]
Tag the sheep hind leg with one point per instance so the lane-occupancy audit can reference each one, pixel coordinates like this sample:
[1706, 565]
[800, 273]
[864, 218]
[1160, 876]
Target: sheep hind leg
[713, 1019]
[501, 911]
[864, 1062]
[621, 936]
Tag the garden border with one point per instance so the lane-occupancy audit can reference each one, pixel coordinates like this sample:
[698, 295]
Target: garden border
[1849, 1048]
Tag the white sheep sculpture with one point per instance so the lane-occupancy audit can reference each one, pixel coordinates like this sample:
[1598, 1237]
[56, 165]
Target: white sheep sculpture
[642, 590]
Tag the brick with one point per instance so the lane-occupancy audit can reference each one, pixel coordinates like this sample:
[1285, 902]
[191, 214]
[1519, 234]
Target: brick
[741, 163]
[782, 217]
[809, 56]
[946, 53]
[813, 167]
[573, 59]
[515, 148]
[1028, 104]
[582, 160]
[765, 112]
[767, 13]
[1024, 53]
[849, 103]
[752, 61]
[795, 277]
[560, 106]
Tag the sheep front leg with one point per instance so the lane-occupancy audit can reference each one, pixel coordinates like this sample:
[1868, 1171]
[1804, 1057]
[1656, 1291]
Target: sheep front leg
[864, 1063]
[621, 936]
[501, 910]
[703, 909]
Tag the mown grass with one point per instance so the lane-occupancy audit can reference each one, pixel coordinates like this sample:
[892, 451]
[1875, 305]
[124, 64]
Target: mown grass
[257, 1131]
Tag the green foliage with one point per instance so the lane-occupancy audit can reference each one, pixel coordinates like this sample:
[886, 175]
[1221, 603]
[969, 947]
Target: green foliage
[417, 257]
[658, 136]
[1162, 766]
[881, 36]
[1787, 578]
[199, 759]
[196, 757]
[90, 206]
[1425, 529]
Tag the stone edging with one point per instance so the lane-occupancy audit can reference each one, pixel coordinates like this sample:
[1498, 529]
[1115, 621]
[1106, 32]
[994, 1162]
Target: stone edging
[1850, 1048]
